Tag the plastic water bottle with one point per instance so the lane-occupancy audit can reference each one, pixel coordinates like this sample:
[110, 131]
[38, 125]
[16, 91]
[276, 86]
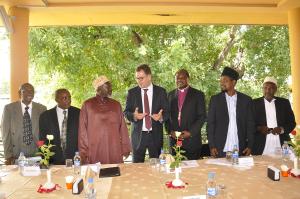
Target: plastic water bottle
[285, 151]
[162, 161]
[77, 163]
[235, 155]
[90, 190]
[211, 186]
[21, 162]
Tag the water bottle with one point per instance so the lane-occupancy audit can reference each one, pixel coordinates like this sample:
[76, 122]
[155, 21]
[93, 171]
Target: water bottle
[211, 186]
[235, 155]
[21, 162]
[90, 191]
[162, 161]
[285, 151]
[77, 163]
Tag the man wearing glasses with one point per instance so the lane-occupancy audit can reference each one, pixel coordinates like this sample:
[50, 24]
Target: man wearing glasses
[146, 109]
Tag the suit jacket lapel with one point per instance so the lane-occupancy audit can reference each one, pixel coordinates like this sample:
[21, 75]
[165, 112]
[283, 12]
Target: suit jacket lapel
[154, 99]
[238, 108]
[224, 105]
[56, 124]
[139, 100]
[263, 110]
[18, 115]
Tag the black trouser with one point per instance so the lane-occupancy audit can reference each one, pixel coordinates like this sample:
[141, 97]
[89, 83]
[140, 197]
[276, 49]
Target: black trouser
[147, 142]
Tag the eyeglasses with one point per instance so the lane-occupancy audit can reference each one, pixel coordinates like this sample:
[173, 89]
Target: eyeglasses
[140, 78]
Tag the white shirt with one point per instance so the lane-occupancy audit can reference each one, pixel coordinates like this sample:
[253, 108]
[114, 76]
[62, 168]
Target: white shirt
[29, 110]
[232, 135]
[60, 116]
[272, 141]
[150, 95]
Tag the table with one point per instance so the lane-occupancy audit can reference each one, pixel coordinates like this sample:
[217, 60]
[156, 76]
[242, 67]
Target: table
[141, 181]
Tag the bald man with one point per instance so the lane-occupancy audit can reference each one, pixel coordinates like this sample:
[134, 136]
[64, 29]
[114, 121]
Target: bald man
[20, 125]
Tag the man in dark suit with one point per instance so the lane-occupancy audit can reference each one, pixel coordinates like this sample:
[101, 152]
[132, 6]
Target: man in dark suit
[146, 109]
[187, 115]
[20, 125]
[230, 119]
[274, 119]
[62, 122]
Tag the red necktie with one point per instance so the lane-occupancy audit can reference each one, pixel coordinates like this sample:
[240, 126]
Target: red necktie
[147, 110]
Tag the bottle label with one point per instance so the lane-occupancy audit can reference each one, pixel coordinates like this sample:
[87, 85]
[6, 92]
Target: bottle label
[235, 155]
[211, 191]
[162, 161]
[77, 163]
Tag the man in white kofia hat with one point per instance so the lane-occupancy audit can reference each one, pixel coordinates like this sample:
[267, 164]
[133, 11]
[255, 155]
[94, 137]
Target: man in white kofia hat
[103, 134]
[274, 119]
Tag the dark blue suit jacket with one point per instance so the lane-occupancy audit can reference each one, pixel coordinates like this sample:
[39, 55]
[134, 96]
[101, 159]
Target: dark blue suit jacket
[218, 121]
[49, 125]
[285, 119]
[159, 101]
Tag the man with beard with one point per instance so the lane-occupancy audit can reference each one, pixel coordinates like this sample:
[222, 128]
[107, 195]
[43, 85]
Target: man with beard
[274, 119]
[62, 122]
[187, 115]
[230, 118]
[20, 125]
[103, 134]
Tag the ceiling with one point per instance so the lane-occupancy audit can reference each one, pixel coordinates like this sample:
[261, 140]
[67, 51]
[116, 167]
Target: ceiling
[109, 12]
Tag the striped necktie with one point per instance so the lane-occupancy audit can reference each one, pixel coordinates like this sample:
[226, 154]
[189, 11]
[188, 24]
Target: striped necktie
[63, 136]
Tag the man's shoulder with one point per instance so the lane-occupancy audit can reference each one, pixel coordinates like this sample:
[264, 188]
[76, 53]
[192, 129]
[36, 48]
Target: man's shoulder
[157, 88]
[133, 90]
[13, 104]
[196, 91]
[75, 109]
[39, 105]
[48, 112]
[243, 96]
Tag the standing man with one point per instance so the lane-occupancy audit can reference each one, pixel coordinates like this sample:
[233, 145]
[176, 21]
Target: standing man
[187, 115]
[20, 125]
[230, 118]
[146, 109]
[103, 134]
[62, 122]
[274, 119]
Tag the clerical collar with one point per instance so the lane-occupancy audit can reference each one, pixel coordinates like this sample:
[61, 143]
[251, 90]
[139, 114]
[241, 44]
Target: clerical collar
[184, 89]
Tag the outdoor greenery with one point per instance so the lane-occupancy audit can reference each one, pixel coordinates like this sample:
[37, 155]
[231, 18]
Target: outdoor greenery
[72, 57]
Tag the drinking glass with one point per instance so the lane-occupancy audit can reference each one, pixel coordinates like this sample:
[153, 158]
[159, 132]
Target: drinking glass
[69, 163]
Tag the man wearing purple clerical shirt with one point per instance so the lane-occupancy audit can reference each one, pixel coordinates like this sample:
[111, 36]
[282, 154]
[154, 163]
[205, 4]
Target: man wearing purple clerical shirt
[187, 115]
[103, 134]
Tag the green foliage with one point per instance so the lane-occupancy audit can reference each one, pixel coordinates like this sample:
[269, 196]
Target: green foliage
[72, 57]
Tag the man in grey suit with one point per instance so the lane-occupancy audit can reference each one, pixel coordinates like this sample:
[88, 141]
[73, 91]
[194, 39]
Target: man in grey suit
[230, 119]
[20, 125]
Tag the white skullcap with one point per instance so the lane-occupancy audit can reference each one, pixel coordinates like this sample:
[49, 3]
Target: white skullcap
[271, 79]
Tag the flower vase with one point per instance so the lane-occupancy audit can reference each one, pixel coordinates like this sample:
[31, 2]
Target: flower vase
[177, 182]
[44, 167]
[296, 169]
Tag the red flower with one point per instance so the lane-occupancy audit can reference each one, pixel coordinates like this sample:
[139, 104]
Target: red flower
[179, 143]
[40, 143]
[294, 132]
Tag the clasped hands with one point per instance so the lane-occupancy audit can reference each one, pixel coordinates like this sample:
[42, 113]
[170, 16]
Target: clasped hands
[140, 116]
[182, 136]
[265, 130]
[214, 152]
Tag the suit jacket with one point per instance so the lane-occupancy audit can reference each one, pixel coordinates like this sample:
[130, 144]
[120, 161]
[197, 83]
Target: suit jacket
[12, 129]
[218, 121]
[49, 125]
[285, 119]
[159, 101]
[193, 116]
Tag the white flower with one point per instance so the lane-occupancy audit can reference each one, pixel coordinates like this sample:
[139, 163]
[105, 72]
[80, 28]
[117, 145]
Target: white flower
[50, 137]
[177, 133]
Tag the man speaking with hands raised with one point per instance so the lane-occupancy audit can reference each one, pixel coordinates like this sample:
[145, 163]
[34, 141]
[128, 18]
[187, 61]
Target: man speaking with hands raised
[146, 109]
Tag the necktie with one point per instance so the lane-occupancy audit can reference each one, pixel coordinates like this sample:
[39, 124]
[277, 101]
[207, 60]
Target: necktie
[63, 136]
[147, 110]
[27, 126]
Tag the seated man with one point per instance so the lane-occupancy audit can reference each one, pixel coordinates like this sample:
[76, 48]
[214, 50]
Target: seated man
[62, 122]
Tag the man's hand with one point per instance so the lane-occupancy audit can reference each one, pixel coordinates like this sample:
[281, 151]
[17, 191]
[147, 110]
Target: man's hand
[125, 155]
[158, 116]
[277, 130]
[172, 134]
[10, 161]
[247, 151]
[214, 152]
[185, 134]
[137, 115]
[263, 130]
